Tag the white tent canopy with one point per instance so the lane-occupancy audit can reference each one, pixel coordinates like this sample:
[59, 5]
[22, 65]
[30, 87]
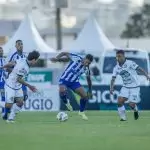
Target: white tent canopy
[32, 40]
[90, 39]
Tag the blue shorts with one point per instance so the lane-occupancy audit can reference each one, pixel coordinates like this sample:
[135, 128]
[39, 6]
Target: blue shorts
[2, 85]
[72, 85]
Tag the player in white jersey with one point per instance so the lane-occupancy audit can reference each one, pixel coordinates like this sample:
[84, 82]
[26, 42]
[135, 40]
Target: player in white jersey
[13, 85]
[70, 78]
[127, 69]
[14, 56]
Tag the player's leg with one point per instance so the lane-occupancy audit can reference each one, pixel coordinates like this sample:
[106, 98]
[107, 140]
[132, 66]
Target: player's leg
[17, 106]
[25, 92]
[84, 99]
[133, 100]
[9, 97]
[63, 96]
[121, 100]
[3, 100]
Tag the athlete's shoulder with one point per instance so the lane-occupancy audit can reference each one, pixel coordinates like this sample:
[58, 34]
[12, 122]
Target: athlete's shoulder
[76, 55]
[129, 61]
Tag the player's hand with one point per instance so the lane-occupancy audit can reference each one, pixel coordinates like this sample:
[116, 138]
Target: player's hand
[111, 91]
[54, 59]
[32, 88]
[89, 93]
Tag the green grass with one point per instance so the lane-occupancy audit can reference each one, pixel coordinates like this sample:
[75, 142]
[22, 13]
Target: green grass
[103, 131]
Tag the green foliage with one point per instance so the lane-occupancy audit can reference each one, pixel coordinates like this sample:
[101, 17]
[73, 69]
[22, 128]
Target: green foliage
[138, 24]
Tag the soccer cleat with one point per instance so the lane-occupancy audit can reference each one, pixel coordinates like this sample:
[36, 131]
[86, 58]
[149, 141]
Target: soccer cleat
[123, 119]
[5, 116]
[136, 115]
[10, 121]
[68, 105]
[82, 114]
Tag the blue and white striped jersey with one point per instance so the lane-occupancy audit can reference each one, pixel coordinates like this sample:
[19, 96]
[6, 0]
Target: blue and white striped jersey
[74, 70]
[15, 56]
[2, 71]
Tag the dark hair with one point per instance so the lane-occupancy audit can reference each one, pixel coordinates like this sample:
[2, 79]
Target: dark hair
[33, 55]
[18, 41]
[1, 47]
[120, 52]
[89, 57]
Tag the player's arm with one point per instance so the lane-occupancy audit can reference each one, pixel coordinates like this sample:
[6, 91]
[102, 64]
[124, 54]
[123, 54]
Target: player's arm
[112, 83]
[89, 82]
[141, 70]
[22, 81]
[9, 64]
[62, 57]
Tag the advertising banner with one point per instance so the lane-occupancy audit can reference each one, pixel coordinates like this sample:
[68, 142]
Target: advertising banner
[45, 99]
[103, 101]
[40, 76]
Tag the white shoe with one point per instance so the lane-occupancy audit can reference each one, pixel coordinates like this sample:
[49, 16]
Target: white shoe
[82, 114]
[10, 121]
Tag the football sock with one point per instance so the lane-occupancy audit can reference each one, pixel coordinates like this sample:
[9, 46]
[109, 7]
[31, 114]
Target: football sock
[135, 108]
[14, 110]
[82, 104]
[63, 97]
[3, 99]
[121, 112]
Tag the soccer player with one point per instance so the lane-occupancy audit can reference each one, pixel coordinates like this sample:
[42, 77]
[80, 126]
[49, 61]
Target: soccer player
[2, 76]
[13, 57]
[127, 69]
[70, 78]
[14, 84]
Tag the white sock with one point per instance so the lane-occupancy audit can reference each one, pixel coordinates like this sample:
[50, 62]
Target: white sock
[122, 112]
[2, 104]
[135, 108]
[14, 110]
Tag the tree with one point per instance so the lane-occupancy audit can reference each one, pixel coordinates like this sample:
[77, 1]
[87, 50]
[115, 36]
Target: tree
[138, 24]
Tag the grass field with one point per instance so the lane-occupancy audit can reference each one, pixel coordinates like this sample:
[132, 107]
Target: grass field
[103, 131]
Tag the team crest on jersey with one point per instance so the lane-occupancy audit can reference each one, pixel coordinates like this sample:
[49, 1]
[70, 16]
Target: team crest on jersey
[23, 71]
[124, 66]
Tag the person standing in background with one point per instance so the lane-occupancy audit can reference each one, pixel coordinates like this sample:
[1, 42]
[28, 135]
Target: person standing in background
[2, 77]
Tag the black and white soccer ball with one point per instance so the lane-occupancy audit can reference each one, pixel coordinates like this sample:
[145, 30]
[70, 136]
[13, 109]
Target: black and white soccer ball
[62, 116]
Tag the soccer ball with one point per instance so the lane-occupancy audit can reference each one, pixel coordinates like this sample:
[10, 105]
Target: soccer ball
[62, 116]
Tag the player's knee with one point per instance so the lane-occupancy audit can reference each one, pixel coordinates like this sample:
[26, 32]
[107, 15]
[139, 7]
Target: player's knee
[19, 103]
[120, 101]
[132, 105]
[8, 105]
[84, 96]
[63, 96]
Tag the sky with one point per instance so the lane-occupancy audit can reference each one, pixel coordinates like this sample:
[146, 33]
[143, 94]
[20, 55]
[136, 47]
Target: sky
[135, 2]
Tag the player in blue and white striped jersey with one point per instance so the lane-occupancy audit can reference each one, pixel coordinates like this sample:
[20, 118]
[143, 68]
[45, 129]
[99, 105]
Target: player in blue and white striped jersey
[14, 57]
[70, 78]
[2, 76]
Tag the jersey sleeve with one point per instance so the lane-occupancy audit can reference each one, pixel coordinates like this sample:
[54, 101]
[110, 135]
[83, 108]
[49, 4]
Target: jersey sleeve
[114, 72]
[75, 57]
[11, 57]
[134, 65]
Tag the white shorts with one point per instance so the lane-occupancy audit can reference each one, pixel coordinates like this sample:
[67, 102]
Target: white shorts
[10, 94]
[132, 94]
